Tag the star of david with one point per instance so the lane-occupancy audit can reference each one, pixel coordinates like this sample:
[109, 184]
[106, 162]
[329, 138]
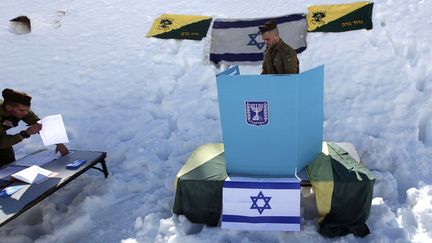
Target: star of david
[255, 201]
[254, 42]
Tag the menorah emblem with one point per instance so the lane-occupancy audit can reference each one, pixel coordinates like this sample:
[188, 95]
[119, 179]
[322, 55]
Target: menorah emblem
[257, 112]
[257, 108]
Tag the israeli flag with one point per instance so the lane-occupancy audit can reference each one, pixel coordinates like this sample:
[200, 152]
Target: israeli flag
[271, 204]
[239, 41]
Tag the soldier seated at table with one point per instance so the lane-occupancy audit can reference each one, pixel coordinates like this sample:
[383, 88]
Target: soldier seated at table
[14, 108]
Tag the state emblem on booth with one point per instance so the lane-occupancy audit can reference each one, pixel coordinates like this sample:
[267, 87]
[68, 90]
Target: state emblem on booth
[257, 112]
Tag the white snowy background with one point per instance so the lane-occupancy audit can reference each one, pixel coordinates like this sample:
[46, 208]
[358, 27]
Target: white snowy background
[150, 102]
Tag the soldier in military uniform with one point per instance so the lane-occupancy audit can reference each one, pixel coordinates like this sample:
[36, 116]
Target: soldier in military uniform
[279, 57]
[14, 108]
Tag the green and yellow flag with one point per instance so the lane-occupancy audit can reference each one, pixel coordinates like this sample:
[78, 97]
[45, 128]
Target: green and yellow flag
[176, 26]
[340, 17]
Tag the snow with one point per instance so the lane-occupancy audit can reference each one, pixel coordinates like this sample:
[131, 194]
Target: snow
[150, 102]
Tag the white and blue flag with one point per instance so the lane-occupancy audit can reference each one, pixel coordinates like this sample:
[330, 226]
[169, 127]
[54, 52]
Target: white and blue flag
[239, 41]
[271, 204]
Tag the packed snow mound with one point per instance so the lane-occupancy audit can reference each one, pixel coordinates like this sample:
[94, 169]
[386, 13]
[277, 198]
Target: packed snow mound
[149, 102]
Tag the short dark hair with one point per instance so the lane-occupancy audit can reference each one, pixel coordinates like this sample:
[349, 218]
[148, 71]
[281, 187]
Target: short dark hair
[17, 97]
[10, 103]
[267, 26]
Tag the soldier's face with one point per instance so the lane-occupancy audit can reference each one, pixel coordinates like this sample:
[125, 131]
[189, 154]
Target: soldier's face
[270, 38]
[19, 111]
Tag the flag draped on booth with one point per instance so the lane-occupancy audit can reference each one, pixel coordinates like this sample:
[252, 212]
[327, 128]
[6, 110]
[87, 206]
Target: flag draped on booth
[340, 17]
[239, 41]
[271, 204]
[177, 26]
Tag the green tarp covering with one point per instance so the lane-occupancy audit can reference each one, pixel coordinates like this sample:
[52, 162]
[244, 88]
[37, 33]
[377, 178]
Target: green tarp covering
[199, 185]
[343, 190]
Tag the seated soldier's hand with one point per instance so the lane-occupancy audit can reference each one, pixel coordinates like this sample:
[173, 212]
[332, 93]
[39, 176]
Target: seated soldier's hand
[33, 129]
[62, 149]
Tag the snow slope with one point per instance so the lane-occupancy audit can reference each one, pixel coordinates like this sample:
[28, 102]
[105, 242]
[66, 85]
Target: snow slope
[150, 102]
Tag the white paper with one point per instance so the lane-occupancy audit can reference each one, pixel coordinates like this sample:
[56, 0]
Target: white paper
[39, 159]
[53, 130]
[33, 174]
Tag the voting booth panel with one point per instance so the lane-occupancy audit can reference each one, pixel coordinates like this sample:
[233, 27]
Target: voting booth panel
[271, 124]
[272, 128]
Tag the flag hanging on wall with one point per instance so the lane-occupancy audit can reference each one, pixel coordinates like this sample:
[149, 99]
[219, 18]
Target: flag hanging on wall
[340, 17]
[176, 26]
[239, 41]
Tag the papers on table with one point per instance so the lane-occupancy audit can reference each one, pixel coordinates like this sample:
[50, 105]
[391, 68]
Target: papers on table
[37, 159]
[8, 191]
[33, 174]
[7, 171]
[53, 130]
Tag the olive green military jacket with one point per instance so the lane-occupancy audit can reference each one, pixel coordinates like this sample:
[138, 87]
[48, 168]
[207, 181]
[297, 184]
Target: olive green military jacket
[7, 122]
[280, 59]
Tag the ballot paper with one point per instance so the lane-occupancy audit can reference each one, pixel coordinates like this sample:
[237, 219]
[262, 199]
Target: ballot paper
[33, 174]
[53, 130]
[39, 159]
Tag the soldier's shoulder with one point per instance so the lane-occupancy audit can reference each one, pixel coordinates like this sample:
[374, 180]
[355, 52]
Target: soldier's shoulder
[285, 47]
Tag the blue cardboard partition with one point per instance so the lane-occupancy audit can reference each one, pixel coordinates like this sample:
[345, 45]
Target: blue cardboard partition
[230, 71]
[272, 125]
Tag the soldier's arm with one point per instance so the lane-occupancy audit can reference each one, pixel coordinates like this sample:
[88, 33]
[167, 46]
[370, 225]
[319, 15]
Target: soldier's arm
[290, 63]
[263, 69]
[263, 66]
[31, 118]
[296, 62]
[6, 141]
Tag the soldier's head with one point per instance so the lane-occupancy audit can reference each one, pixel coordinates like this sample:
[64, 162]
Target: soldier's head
[270, 33]
[16, 104]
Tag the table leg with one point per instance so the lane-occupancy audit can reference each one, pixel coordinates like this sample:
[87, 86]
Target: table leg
[104, 168]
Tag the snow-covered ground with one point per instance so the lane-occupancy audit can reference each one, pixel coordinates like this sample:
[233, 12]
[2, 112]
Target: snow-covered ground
[150, 102]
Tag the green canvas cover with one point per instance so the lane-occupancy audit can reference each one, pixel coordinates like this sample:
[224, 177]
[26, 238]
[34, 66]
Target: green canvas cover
[199, 185]
[343, 190]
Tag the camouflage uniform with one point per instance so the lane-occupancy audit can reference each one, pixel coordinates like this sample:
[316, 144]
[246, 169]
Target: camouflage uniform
[7, 154]
[280, 59]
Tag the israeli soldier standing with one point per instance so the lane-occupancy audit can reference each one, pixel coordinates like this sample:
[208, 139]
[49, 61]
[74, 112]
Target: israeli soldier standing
[279, 57]
[14, 108]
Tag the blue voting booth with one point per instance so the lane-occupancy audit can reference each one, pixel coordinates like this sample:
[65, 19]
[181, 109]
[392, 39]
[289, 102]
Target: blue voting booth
[272, 125]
